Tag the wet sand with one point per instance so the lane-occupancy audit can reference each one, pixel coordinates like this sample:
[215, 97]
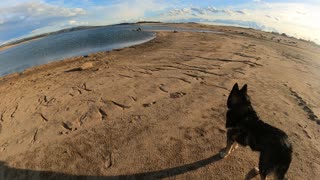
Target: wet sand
[13, 45]
[157, 110]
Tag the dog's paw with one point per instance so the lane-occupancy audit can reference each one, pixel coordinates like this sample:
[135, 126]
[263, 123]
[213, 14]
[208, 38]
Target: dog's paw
[235, 147]
[256, 170]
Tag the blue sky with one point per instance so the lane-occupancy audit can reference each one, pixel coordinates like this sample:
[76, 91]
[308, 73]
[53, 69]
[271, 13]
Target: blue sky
[23, 18]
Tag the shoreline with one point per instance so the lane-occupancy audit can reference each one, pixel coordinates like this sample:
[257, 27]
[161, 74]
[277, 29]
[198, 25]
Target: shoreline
[121, 45]
[159, 107]
[25, 40]
[4, 47]
[22, 41]
[290, 41]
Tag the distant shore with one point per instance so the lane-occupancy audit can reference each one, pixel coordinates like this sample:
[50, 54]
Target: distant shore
[4, 47]
[24, 40]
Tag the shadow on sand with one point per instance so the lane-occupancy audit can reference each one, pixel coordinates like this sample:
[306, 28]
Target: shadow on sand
[7, 173]
[251, 174]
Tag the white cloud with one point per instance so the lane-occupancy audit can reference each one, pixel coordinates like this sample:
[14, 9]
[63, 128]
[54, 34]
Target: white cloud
[213, 9]
[73, 22]
[37, 10]
[303, 13]
[126, 10]
[36, 16]
[296, 19]
[21, 18]
[186, 10]
[55, 26]
[204, 11]
[227, 11]
[241, 12]
[183, 11]
[272, 17]
[6, 3]
[40, 10]
[49, 28]
[199, 10]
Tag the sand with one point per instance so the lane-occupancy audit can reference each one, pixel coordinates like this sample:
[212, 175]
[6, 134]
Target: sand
[4, 47]
[157, 110]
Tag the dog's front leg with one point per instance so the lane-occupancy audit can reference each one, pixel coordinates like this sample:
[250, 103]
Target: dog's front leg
[231, 144]
[228, 149]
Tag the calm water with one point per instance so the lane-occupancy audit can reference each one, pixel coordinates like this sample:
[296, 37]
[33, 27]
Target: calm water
[76, 43]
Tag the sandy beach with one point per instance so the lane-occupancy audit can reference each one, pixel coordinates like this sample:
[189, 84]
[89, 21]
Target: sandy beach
[157, 110]
[4, 47]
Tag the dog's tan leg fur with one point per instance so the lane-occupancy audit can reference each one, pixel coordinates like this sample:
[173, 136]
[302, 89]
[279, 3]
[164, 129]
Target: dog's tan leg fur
[235, 146]
[263, 178]
[230, 147]
[256, 170]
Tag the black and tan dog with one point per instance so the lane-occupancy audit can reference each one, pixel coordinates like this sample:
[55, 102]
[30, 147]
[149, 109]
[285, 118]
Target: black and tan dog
[246, 128]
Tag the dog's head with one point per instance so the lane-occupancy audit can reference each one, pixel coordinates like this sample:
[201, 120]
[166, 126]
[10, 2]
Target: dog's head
[238, 97]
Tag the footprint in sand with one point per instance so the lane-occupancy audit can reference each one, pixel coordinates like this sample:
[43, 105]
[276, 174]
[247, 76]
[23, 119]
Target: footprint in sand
[69, 126]
[305, 107]
[177, 94]
[149, 104]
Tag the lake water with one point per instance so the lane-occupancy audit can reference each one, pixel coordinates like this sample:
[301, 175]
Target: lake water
[76, 43]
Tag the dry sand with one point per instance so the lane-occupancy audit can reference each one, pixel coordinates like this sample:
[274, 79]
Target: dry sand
[157, 110]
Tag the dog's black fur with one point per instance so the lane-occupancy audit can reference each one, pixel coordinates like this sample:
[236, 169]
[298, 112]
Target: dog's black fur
[247, 129]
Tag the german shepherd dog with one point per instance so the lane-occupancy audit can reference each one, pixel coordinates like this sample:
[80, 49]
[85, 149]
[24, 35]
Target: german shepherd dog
[246, 128]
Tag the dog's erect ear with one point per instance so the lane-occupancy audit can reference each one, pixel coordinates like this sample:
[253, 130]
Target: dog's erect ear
[235, 87]
[234, 97]
[244, 89]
